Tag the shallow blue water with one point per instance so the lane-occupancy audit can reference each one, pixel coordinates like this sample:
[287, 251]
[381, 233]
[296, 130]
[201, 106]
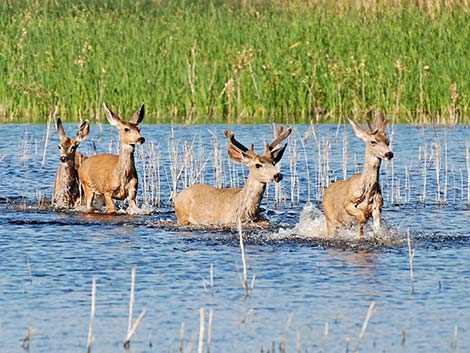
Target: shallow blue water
[303, 282]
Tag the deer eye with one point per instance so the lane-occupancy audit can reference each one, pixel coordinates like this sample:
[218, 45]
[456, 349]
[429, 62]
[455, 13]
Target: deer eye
[126, 129]
[258, 165]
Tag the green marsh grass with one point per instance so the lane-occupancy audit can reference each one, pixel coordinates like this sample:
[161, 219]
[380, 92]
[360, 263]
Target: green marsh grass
[234, 61]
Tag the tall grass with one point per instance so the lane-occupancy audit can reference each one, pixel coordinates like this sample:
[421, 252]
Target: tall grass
[231, 61]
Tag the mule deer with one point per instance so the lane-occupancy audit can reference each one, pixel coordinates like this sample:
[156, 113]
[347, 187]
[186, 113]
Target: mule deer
[359, 198]
[114, 176]
[67, 186]
[204, 204]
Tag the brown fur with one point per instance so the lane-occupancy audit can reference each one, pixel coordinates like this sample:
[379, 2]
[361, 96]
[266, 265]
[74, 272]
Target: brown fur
[359, 198]
[204, 204]
[67, 191]
[114, 176]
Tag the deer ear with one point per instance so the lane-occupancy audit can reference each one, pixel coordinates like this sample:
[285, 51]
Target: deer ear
[138, 115]
[236, 155]
[83, 131]
[111, 116]
[358, 129]
[60, 129]
[277, 154]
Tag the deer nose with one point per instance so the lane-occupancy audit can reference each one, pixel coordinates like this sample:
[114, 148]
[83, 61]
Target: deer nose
[63, 158]
[141, 140]
[389, 155]
[277, 177]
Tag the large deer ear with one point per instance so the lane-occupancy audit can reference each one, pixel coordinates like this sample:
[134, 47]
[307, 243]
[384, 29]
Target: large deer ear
[277, 154]
[380, 123]
[358, 129]
[60, 129]
[111, 116]
[138, 116]
[236, 155]
[83, 131]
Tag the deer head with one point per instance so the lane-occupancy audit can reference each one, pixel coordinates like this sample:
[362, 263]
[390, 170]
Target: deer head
[262, 167]
[375, 138]
[68, 146]
[129, 132]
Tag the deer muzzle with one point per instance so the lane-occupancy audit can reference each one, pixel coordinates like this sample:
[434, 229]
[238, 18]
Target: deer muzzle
[277, 177]
[63, 159]
[389, 155]
[140, 141]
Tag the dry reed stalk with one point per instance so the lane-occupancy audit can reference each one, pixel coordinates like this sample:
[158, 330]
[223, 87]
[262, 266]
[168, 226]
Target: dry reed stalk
[212, 276]
[92, 316]
[453, 344]
[345, 155]
[411, 253]
[303, 141]
[364, 326]
[209, 329]
[176, 165]
[298, 344]
[27, 339]
[132, 327]
[131, 300]
[325, 336]
[294, 179]
[467, 155]
[200, 347]
[46, 141]
[181, 347]
[217, 165]
[423, 152]
[242, 249]
[446, 166]
[135, 326]
[211, 280]
[30, 273]
[247, 315]
[436, 153]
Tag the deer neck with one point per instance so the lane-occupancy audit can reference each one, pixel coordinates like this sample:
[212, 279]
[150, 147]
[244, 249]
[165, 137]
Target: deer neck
[125, 165]
[250, 197]
[370, 173]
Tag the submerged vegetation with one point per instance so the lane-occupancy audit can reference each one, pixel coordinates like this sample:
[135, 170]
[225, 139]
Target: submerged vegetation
[235, 61]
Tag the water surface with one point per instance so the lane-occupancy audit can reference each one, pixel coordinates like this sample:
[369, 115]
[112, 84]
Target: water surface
[310, 293]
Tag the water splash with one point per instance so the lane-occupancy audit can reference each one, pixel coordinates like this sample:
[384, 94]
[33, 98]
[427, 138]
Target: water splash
[312, 228]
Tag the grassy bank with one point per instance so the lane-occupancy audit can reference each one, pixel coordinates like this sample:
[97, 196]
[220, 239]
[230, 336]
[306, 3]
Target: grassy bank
[225, 61]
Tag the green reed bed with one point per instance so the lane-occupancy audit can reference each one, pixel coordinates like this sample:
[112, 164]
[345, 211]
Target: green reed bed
[229, 61]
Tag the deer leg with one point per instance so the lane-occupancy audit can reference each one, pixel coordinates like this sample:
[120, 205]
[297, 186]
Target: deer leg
[109, 203]
[329, 228]
[132, 195]
[352, 210]
[376, 211]
[88, 197]
[376, 218]
[361, 230]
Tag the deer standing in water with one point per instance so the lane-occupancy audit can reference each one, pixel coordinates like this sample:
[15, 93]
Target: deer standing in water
[359, 198]
[114, 176]
[205, 204]
[67, 187]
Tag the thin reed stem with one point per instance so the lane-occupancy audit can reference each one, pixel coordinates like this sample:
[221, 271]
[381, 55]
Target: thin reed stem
[92, 316]
[200, 348]
[364, 326]
[411, 253]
